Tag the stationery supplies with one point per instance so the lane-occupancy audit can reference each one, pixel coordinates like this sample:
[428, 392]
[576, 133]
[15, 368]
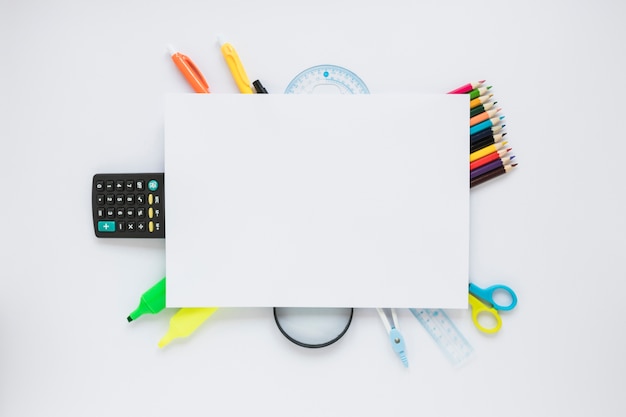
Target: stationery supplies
[190, 71]
[128, 205]
[313, 327]
[490, 166]
[488, 158]
[152, 301]
[395, 337]
[331, 198]
[492, 174]
[487, 150]
[489, 140]
[236, 67]
[478, 136]
[494, 121]
[483, 302]
[478, 92]
[443, 331]
[482, 108]
[466, 88]
[185, 322]
[480, 100]
[481, 117]
[258, 87]
[326, 78]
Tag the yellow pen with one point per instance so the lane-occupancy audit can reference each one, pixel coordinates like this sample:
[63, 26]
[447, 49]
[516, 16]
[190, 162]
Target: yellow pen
[236, 67]
[185, 322]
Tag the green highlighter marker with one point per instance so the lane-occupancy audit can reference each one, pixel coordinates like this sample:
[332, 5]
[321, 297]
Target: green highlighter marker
[152, 301]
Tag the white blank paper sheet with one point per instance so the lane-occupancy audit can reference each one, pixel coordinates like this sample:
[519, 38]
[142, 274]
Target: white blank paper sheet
[317, 200]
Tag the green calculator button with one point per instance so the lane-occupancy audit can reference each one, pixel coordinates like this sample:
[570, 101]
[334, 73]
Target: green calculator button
[106, 226]
[153, 185]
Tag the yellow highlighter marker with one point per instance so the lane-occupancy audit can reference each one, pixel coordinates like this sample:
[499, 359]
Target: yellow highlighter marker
[185, 322]
[236, 67]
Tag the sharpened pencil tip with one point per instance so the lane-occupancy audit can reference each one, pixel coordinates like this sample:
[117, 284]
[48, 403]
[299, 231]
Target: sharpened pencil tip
[482, 81]
[489, 87]
[513, 165]
[509, 150]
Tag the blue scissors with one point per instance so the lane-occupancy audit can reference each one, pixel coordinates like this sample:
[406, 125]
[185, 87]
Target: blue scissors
[481, 301]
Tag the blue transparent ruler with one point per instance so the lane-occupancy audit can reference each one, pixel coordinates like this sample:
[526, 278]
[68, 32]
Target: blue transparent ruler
[443, 331]
[326, 76]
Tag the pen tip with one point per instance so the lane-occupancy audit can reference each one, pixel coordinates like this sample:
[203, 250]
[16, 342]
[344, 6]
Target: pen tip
[220, 40]
[129, 318]
[170, 49]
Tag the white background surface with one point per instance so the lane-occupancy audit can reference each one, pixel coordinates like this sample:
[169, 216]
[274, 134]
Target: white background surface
[81, 91]
[316, 201]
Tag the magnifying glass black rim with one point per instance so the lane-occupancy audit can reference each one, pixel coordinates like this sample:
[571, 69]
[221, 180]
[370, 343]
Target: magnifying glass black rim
[310, 345]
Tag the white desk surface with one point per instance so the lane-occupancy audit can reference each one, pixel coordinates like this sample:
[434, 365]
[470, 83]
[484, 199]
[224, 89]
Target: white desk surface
[81, 91]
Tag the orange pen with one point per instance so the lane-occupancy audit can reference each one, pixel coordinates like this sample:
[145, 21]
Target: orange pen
[189, 70]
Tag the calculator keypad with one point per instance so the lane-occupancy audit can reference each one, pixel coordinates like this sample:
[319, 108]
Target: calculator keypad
[128, 205]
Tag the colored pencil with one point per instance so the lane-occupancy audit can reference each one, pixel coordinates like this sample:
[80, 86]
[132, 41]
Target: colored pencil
[486, 151]
[480, 100]
[483, 116]
[475, 146]
[485, 125]
[488, 158]
[467, 87]
[478, 92]
[486, 133]
[490, 166]
[491, 175]
[483, 107]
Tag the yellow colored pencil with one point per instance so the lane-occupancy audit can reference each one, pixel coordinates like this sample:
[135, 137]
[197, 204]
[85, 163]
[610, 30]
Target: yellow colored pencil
[487, 150]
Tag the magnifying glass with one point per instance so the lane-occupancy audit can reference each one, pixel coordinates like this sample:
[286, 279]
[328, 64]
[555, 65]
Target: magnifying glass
[313, 327]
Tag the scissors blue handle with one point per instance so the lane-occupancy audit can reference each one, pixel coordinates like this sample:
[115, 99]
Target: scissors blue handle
[487, 294]
[482, 302]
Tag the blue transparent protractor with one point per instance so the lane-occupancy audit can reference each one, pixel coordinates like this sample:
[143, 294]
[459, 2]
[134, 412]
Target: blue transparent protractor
[343, 79]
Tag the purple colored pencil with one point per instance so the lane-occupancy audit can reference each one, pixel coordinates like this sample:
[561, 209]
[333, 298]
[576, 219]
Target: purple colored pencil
[486, 168]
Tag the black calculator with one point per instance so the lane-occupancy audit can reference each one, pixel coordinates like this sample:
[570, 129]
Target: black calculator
[128, 205]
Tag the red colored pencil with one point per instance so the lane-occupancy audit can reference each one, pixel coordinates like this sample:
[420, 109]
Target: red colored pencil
[467, 87]
[488, 158]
